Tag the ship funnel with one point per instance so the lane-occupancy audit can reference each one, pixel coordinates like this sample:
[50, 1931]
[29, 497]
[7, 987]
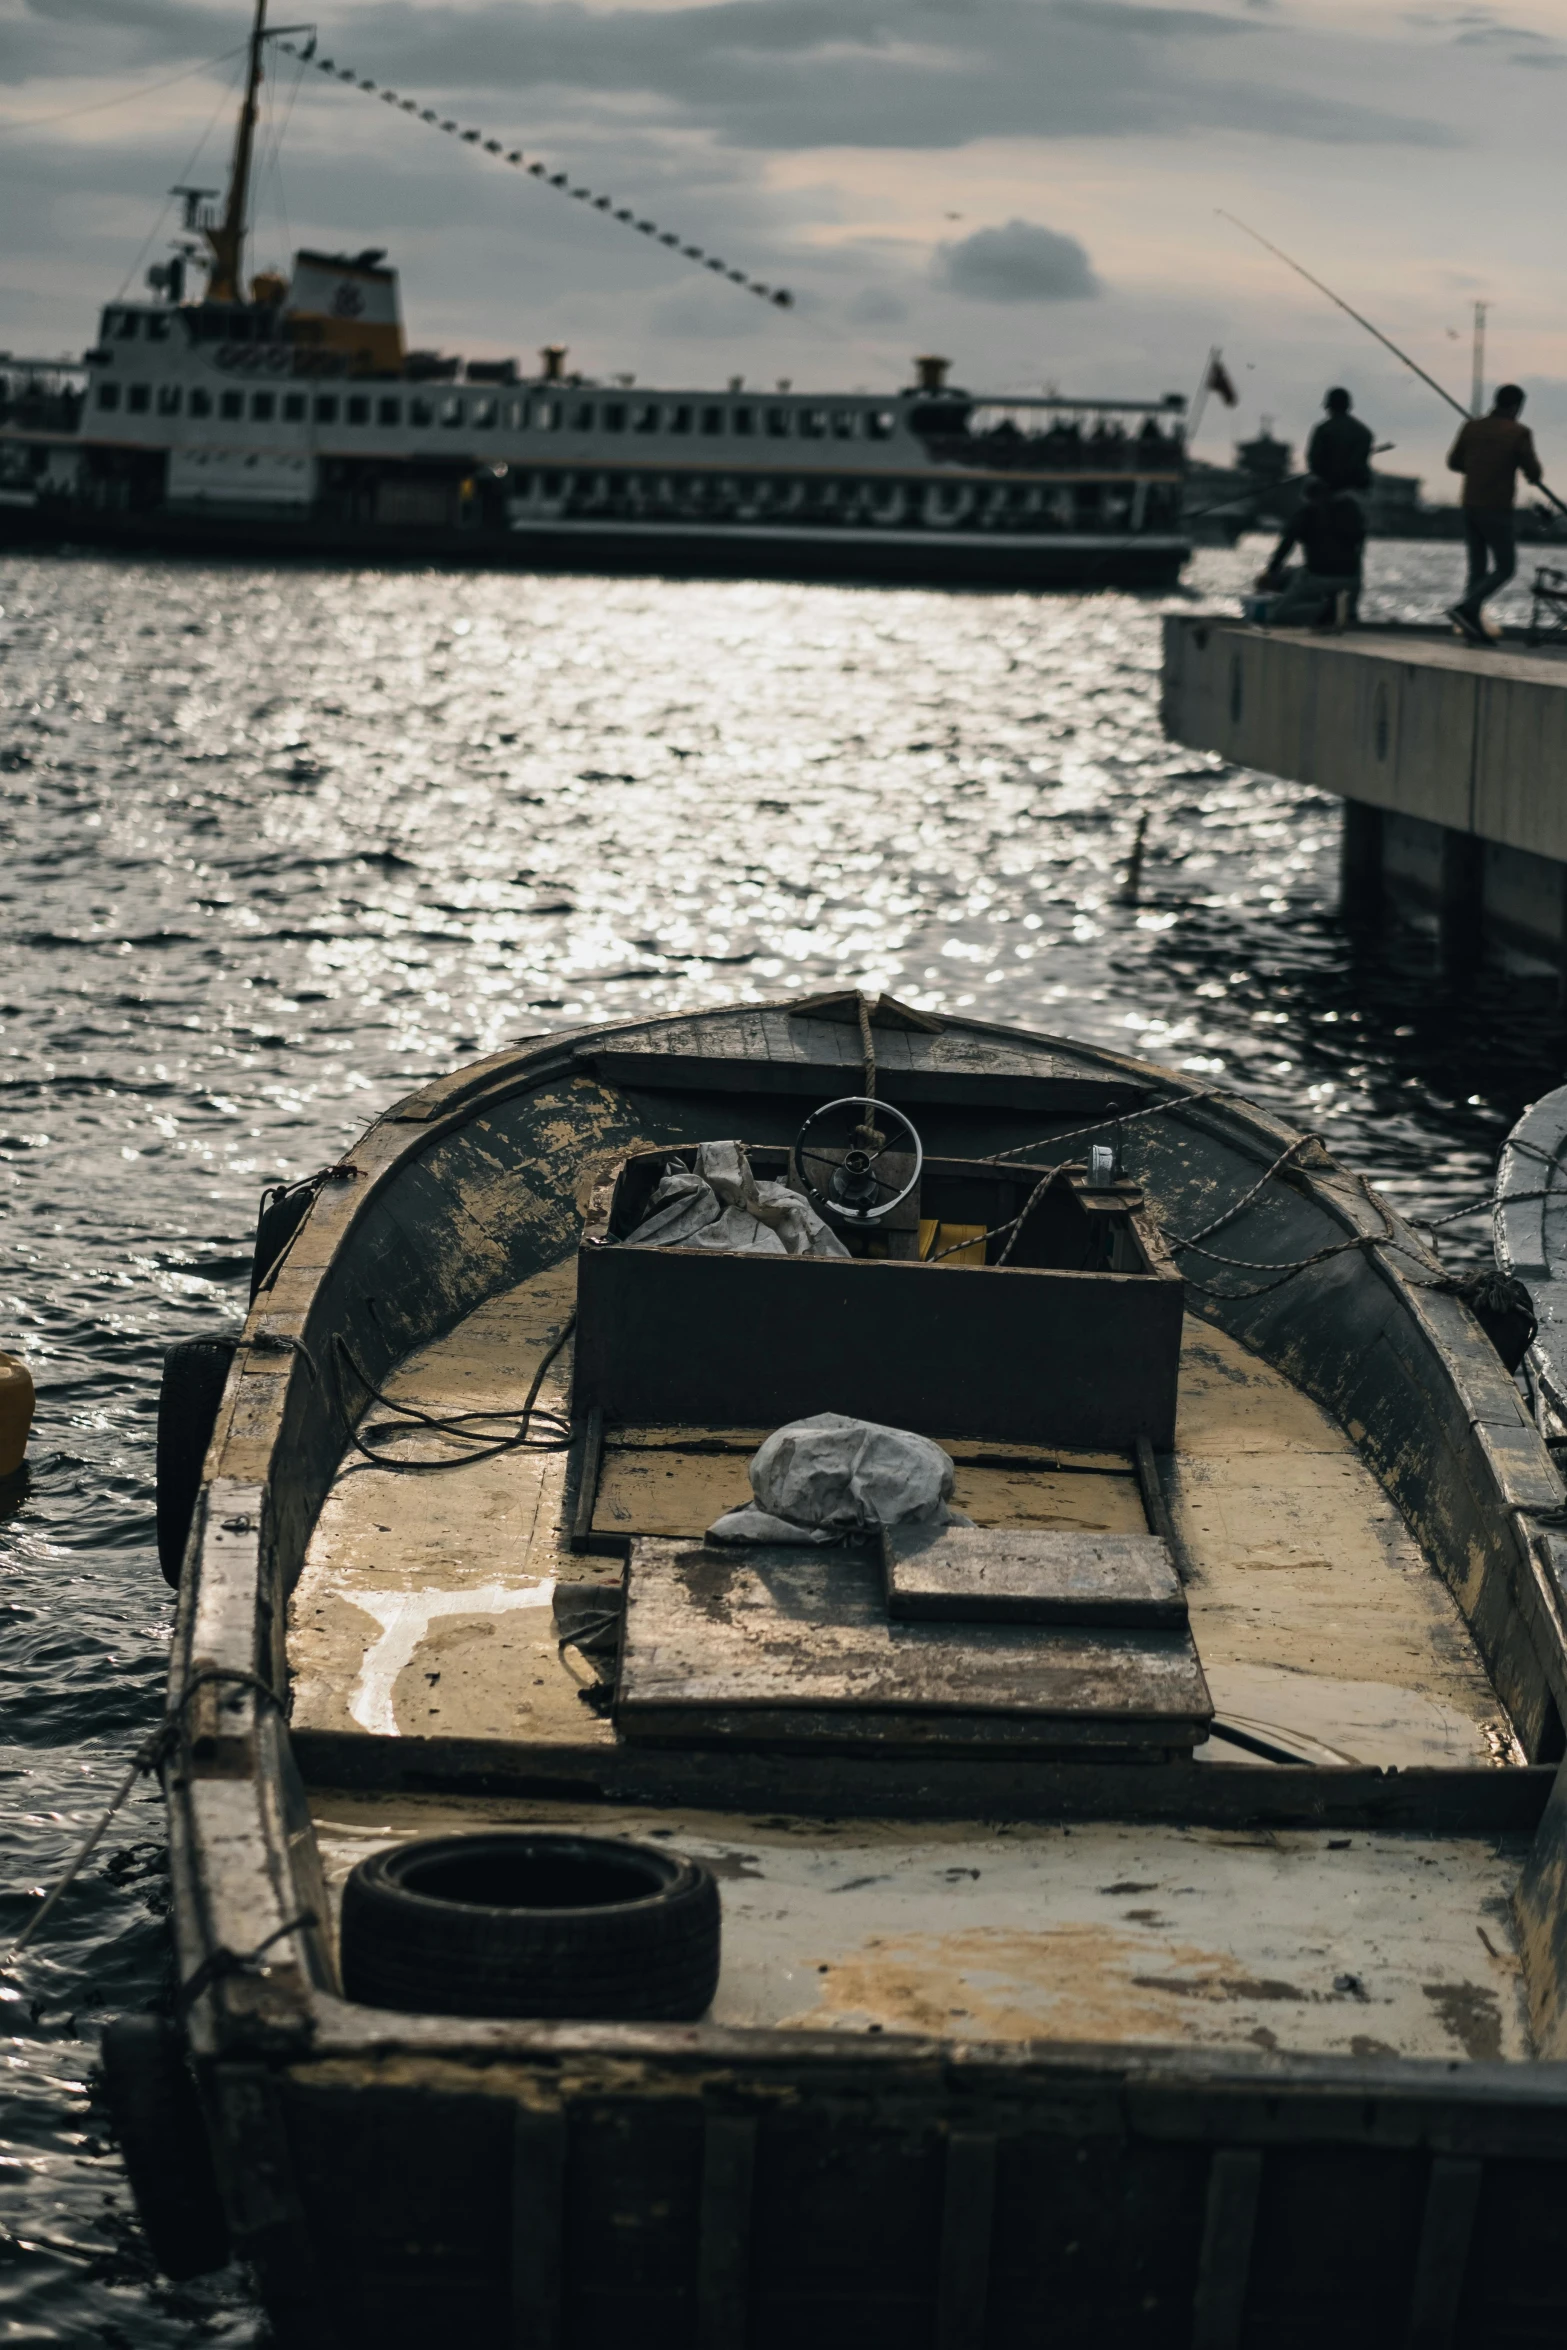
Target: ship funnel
[349, 307]
[932, 373]
[554, 358]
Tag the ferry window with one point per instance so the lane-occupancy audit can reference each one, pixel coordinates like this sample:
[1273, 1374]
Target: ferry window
[680, 418]
[880, 424]
[168, 399]
[451, 413]
[741, 420]
[157, 329]
[108, 395]
[262, 405]
[326, 408]
[294, 408]
[483, 418]
[200, 403]
[516, 415]
[231, 404]
[646, 417]
[420, 412]
[778, 424]
[614, 416]
[813, 424]
[583, 420]
[358, 411]
[389, 412]
[125, 326]
[844, 421]
[138, 399]
[712, 420]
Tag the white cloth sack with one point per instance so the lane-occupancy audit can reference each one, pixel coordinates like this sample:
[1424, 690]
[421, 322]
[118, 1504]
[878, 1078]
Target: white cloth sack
[719, 1204]
[819, 1479]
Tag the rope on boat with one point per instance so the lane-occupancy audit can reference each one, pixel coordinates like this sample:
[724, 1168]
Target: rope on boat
[222, 1962]
[867, 1133]
[779, 296]
[1469, 1287]
[148, 1758]
[458, 1425]
[1174, 1101]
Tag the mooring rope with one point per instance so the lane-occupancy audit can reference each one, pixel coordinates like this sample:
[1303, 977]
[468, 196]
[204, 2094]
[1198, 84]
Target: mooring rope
[148, 1758]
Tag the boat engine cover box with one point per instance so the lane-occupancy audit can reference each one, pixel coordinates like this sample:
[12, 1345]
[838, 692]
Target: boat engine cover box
[1074, 1341]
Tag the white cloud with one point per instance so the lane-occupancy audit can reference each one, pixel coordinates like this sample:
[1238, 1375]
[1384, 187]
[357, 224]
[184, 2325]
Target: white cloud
[1018, 263]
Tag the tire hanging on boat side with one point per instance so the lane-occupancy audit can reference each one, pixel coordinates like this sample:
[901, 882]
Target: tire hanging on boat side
[163, 2138]
[195, 1371]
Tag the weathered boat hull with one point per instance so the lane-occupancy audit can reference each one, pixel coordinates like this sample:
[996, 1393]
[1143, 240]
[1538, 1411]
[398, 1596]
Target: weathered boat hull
[399, 2177]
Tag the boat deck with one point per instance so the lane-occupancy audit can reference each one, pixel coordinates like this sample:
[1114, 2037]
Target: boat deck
[425, 1606]
[428, 1611]
[1364, 1945]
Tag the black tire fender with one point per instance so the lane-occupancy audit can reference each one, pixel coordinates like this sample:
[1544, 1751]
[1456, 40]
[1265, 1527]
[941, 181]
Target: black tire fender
[530, 1923]
[194, 1373]
[158, 2120]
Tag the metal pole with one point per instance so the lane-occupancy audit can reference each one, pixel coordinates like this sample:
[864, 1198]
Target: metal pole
[1477, 385]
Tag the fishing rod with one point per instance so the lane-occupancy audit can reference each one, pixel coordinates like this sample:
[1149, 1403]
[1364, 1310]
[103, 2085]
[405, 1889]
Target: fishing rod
[1386, 341]
[1264, 489]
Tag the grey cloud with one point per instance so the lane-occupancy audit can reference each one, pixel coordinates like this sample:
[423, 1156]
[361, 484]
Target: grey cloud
[792, 74]
[1486, 34]
[1019, 263]
[1479, 28]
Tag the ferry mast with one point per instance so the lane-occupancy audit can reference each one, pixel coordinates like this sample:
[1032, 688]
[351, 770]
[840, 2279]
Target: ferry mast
[226, 238]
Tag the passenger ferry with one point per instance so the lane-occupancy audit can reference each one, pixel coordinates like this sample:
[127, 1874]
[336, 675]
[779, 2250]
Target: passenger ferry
[288, 414]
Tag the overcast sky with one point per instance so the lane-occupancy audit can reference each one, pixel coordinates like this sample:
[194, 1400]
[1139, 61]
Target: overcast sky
[1031, 186]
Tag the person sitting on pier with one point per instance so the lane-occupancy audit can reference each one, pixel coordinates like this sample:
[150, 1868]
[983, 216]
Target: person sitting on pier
[1330, 531]
[1339, 451]
[1490, 452]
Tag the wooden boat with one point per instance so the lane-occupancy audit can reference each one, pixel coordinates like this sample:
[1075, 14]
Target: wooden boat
[1191, 1977]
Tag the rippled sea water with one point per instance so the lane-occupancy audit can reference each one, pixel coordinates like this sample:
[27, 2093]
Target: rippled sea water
[276, 844]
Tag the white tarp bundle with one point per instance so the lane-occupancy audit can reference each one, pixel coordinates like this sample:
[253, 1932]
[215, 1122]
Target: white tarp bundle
[719, 1204]
[819, 1479]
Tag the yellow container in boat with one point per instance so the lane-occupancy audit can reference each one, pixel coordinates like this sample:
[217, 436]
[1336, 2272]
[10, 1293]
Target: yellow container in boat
[16, 1412]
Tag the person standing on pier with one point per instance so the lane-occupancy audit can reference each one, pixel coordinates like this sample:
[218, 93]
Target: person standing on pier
[1490, 452]
[1339, 451]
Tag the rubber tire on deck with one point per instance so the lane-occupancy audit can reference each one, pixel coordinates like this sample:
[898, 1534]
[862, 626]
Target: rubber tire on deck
[651, 1957]
[194, 1373]
[163, 2138]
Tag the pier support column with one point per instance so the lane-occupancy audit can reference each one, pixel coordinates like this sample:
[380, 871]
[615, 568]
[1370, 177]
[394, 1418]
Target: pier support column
[1360, 863]
[1460, 901]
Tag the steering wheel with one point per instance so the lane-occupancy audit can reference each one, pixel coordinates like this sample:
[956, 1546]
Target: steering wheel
[853, 1190]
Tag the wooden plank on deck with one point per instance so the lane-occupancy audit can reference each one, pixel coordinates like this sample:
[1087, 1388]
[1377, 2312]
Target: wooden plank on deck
[978, 1574]
[725, 1638]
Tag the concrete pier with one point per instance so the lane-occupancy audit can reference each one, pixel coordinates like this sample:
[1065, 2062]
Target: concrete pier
[1451, 763]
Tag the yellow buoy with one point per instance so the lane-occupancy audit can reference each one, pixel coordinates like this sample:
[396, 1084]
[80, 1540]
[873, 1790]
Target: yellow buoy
[16, 1412]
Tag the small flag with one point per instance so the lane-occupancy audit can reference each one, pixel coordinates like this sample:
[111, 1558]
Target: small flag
[1219, 381]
